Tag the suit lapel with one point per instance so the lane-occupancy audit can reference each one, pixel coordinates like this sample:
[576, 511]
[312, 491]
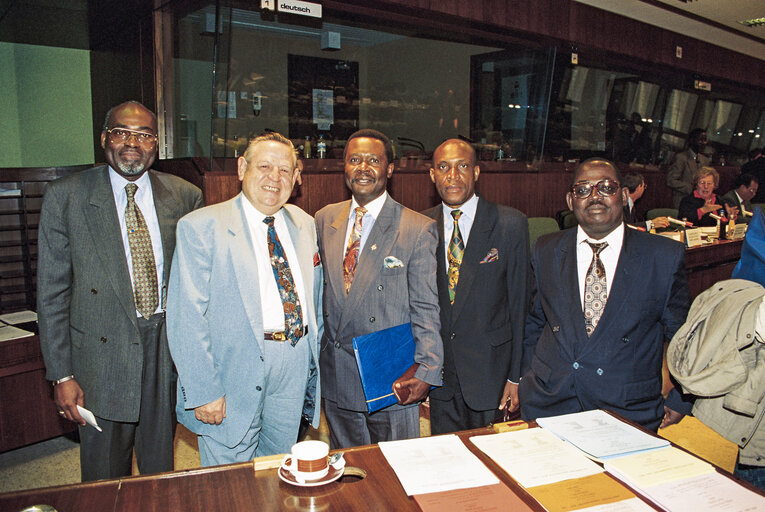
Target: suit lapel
[334, 250]
[477, 248]
[106, 233]
[376, 248]
[565, 259]
[442, 280]
[302, 242]
[167, 215]
[242, 256]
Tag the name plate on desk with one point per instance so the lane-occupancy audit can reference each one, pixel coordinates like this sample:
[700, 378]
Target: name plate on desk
[692, 237]
[739, 231]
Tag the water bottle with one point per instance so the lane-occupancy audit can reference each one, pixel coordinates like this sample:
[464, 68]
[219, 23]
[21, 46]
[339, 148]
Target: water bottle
[321, 147]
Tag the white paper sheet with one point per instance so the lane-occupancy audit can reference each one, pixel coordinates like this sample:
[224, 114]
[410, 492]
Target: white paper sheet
[535, 456]
[434, 464]
[647, 469]
[9, 332]
[89, 418]
[19, 317]
[599, 434]
[711, 491]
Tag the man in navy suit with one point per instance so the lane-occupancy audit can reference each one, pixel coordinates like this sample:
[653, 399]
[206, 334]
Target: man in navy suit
[482, 325]
[594, 337]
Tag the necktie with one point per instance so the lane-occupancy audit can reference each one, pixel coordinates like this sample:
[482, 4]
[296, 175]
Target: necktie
[456, 251]
[142, 254]
[595, 291]
[352, 252]
[293, 316]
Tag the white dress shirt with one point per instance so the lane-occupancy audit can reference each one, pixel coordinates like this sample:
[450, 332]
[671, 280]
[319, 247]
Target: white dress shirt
[468, 210]
[609, 256]
[373, 210]
[144, 199]
[270, 299]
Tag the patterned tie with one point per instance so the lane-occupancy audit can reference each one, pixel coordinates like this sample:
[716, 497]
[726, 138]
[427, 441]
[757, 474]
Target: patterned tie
[293, 315]
[352, 252]
[456, 251]
[595, 291]
[142, 254]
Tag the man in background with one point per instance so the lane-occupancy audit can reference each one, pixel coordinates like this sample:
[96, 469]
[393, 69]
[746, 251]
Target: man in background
[380, 272]
[740, 197]
[685, 164]
[106, 241]
[635, 184]
[756, 167]
[243, 313]
[605, 297]
[483, 259]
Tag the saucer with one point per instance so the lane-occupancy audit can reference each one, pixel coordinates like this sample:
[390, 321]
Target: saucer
[334, 472]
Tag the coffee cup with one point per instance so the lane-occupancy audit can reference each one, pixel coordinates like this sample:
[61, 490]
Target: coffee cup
[308, 460]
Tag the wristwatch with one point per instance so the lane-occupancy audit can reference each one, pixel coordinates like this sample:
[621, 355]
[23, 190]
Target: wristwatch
[62, 380]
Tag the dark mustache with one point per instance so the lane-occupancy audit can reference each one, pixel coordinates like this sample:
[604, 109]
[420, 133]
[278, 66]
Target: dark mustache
[362, 174]
[596, 202]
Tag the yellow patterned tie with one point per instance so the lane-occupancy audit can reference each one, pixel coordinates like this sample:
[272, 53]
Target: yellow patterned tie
[142, 254]
[456, 251]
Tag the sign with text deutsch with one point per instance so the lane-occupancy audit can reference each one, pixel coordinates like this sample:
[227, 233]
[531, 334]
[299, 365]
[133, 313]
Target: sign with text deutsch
[301, 8]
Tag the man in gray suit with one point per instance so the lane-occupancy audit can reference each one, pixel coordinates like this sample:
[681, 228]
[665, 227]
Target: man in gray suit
[242, 317]
[380, 272]
[685, 165]
[106, 240]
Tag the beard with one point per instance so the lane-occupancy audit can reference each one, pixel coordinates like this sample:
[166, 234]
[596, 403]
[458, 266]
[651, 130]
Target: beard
[131, 168]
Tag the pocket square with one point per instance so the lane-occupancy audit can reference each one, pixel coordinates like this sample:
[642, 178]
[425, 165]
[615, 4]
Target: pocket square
[316, 259]
[392, 262]
[492, 255]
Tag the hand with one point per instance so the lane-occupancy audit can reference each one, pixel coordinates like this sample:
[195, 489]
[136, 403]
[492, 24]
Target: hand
[68, 395]
[510, 398]
[212, 413]
[732, 212]
[670, 417]
[411, 390]
[660, 222]
[710, 208]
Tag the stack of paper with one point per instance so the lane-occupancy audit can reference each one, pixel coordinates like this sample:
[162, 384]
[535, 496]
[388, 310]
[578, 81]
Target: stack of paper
[556, 474]
[9, 320]
[678, 481]
[600, 435]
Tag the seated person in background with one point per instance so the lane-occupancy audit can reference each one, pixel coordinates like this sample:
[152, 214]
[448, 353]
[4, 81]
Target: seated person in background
[635, 185]
[744, 189]
[697, 206]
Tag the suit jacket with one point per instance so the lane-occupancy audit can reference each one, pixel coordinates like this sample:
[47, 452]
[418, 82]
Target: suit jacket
[87, 315]
[380, 297]
[732, 199]
[619, 367]
[756, 168]
[214, 316]
[482, 331]
[680, 174]
[632, 218]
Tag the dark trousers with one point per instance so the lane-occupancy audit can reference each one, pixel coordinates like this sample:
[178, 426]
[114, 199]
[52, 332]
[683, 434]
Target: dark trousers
[454, 414]
[109, 454]
[354, 428]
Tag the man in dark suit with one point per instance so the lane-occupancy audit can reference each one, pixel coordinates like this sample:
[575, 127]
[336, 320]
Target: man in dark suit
[634, 182]
[740, 197]
[685, 164]
[606, 296]
[106, 241]
[756, 167]
[380, 271]
[482, 294]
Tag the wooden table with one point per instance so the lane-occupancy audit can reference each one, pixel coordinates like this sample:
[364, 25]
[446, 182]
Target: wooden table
[707, 264]
[237, 487]
[27, 411]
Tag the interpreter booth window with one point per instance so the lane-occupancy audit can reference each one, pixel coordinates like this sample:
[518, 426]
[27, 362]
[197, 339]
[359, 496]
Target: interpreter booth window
[319, 80]
[315, 81]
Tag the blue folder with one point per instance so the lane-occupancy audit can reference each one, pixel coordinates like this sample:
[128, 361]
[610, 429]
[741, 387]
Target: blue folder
[383, 356]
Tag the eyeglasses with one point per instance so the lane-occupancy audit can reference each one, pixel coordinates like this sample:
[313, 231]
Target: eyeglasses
[120, 135]
[605, 188]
